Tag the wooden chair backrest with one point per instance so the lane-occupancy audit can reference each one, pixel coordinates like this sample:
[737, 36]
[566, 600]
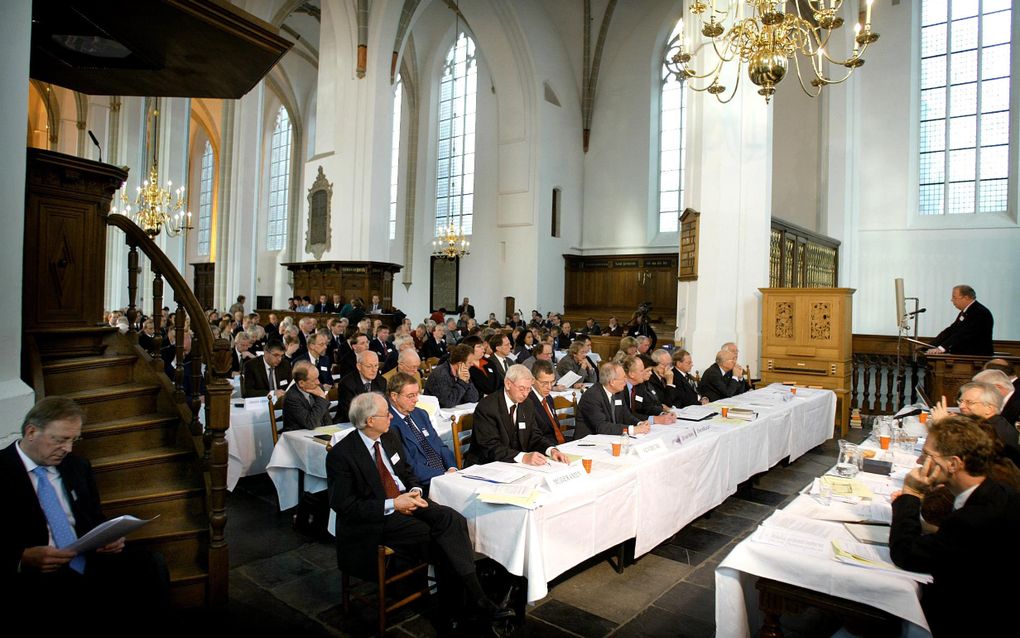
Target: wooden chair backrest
[461, 435]
[273, 425]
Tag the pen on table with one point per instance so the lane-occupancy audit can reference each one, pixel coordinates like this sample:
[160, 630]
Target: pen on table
[585, 445]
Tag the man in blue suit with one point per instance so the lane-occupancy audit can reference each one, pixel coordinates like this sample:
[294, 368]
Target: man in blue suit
[427, 455]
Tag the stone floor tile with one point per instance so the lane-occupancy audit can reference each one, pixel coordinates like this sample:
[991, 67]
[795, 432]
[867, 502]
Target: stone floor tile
[656, 622]
[573, 619]
[689, 599]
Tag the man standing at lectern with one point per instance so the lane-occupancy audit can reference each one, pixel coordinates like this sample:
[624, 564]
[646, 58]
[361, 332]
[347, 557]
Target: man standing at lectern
[971, 332]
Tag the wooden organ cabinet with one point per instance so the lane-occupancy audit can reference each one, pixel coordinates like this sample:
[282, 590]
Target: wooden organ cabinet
[806, 338]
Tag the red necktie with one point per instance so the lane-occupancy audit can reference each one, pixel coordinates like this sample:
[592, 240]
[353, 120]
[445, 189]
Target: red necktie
[633, 393]
[389, 486]
[555, 423]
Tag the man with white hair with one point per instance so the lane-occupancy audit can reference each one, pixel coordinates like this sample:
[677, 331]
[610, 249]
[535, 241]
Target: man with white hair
[1007, 388]
[365, 378]
[408, 362]
[240, 353]
[505, 428]
[983, 400]
[306, 327]
[378, 501]
[723, 379]
[604, 408]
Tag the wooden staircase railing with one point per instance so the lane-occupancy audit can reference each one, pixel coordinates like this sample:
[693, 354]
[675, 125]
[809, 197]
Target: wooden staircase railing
[208, 382]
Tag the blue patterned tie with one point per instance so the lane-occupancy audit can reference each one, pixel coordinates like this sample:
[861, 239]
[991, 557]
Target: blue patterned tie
[63, 534]
[432, 457]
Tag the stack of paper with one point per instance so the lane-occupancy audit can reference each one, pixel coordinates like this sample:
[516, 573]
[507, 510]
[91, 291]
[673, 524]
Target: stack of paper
[847, 488]
[517, 495]
[871, 557]
[695, 413]
[742, 414]
[494, 472]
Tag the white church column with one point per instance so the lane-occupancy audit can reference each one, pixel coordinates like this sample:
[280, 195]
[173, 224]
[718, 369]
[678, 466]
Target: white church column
[731, 147]
[15, 34]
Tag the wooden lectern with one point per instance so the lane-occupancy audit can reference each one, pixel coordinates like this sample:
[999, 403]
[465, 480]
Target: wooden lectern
[806, 338]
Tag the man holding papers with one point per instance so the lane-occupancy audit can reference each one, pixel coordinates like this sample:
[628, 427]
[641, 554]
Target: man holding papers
[974, 546]
[603, 409]
[505, 428]
[51, 502]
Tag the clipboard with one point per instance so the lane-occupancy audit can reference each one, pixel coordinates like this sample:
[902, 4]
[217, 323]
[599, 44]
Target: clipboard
[919, 342]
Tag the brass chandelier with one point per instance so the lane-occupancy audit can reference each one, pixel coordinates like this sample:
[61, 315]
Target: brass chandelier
[765, 41]
[451, 245]
[157, 208]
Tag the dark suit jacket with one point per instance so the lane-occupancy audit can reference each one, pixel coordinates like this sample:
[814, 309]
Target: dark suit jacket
[484, 378]
[381, 349]
[351, 386]
[323, 364]
[356, 495]
[432, 349]
[298, 414]
[545, 426]
[715, 385]
[1008, 435]
[973, 543]
[469, 309]
[618, 331]
[647, 400]
[1011, 410]
[415, 452]
[449, 389]
[596, 415]
[256, 381]
[25, 524]
[495, 438]
[684, 391]
[970, 333]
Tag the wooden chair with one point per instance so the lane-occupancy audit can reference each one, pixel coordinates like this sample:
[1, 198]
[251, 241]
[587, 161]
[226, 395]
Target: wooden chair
[566, 409]
[426, 367]
[274, 425]
[461, 435]
[384, 557]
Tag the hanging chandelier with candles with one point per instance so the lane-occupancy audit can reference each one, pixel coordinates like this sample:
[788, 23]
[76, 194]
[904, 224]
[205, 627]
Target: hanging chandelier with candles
[451, 245]
[156, 208]
[765, 42]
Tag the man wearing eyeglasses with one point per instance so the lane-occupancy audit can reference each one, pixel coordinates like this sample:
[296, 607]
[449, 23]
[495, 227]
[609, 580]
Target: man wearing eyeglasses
[427, 455]
[268, 374]
[365, 378]
[50, 501]
[505, 428]
[974, 545]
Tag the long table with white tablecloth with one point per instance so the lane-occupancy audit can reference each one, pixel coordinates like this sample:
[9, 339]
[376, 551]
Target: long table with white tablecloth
[645, 498]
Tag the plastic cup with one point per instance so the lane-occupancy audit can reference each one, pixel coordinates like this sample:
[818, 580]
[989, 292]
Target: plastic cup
[883, 440]
[587, 465]
[923, 417]
[617, 448]
[725, 411]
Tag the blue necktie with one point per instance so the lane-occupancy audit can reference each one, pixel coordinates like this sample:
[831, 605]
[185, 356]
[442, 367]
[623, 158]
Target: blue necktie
[432, 457]
[63, 534]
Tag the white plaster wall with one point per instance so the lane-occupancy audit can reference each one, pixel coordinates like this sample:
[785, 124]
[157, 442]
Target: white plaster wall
[797, 136]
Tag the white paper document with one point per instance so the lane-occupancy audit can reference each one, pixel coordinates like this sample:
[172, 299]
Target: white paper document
[494, 472]
[105, 533]
[872, 557]
[801, 543]
[569, 379]
[695, 413]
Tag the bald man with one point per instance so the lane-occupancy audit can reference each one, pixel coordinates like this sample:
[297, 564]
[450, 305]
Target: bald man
[365, 378]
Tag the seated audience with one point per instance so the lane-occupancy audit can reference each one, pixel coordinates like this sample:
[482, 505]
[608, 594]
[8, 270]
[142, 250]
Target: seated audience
[645, 401]
[1007, 388]
[450, 382]
[603, 408]
[305, 406]
[974, 541]
[315, 353]
[380, 344]
[542, 402]
[427, 455]
[982, 402]
[505, 428]
[267, 374]
[685, 386]
[409, 363]
[724, 378]
[365, 378]
[435, 345]
[577, 361]
[525, 345]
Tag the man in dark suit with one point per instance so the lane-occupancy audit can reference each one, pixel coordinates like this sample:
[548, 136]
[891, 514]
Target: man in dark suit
[684, 391]
[51, 500]
[542, 403]
[427, 455]
[975, 542]
[645, 400]
[315, 353]
[466, 308]
[305, 406]
[435, 344]
[971, 333]
[378, 501]
[240, 353]
[450, 382]
[603, 408]
[323, 305]
[273, 328]
[505, 428]
[724, 378]
[982, 400]
[500, 346]
[267, 374]
[365, 378]
[381, 344]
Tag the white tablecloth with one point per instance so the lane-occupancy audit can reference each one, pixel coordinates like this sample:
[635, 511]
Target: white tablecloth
[249, 439]
[736, 608]
[646, 499]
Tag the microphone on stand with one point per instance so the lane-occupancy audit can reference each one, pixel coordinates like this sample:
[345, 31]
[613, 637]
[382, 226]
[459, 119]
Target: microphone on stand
[916, 312]
[96, 142]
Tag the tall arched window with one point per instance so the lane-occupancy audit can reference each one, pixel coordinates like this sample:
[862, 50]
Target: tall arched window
[672, 144]
[455, 163]
[279, 181]
[205, 193]
[964, 120]
[398, 94]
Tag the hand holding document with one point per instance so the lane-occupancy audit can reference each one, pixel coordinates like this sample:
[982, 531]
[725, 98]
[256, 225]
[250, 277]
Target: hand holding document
[569, 379]
[106, 533]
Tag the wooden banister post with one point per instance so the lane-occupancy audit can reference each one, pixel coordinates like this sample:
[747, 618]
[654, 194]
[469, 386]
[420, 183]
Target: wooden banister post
[132, 313]
[217, 419]
[157, 315]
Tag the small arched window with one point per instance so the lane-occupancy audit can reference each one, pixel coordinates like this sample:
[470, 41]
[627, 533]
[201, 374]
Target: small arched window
[672, 144]
[279, 181]
[205, 199]
[455, 161]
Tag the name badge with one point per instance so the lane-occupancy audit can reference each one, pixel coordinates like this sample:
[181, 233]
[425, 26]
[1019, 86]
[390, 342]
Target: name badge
[638, 398]
[424, 432]
[522, 425]
[702, 426]
[618, 402]
[489, 369]
[283, 383]
[395, 458]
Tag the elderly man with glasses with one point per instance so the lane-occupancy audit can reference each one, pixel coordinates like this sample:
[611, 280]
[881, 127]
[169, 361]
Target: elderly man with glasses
[427, 455]
[378, 501]
[982, 402]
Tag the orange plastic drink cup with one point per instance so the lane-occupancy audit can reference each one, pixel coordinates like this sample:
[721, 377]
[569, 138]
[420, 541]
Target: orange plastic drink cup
[725, 412]
[587, 465]
[883, 440]
[617, 448]
[923, 417]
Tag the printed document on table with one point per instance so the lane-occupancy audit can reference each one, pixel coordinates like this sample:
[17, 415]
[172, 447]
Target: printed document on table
[105, 533]
[695, 413]
[801, 543]
[569, 379]
[525, 496]
[872, 557]
[494, 472]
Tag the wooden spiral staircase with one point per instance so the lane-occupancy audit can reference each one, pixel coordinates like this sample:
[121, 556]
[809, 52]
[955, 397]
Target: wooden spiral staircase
[150, 455]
